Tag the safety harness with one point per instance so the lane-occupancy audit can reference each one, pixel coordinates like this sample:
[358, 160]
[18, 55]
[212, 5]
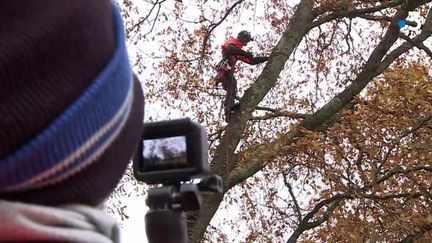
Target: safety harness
[228, 63]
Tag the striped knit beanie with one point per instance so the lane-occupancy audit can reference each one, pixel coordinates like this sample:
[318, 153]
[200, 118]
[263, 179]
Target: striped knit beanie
[71, 110]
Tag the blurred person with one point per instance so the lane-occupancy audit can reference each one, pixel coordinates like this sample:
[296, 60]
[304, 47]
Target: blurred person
[231, 53]
[71, 114]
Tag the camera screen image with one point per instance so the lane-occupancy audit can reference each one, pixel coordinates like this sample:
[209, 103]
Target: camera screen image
[165, 152]
[171, 151]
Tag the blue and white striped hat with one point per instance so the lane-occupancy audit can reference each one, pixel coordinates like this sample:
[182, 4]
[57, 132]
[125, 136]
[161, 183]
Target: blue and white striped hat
[70, 108]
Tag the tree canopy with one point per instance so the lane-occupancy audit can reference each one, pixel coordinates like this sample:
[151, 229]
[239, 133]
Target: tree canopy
[331, 141]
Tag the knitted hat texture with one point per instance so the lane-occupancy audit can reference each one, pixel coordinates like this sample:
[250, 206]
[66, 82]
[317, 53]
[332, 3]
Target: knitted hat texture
[71, 109]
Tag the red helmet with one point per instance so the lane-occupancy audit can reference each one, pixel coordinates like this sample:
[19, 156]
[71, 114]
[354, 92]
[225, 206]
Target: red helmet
[244, 36]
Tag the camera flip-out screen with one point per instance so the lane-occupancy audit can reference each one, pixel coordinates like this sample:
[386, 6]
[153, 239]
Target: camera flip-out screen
[171, 151]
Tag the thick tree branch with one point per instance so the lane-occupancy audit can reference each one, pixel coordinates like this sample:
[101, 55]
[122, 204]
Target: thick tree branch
[330, 7]
[419, 124]
[384, 18]
[279, 114]
[326, 215]
[332, 203]
[262, 108]
[392, 56]
[291, 38]
[224, 154]
[259, 156]
[398, 170]
[419, 45]
[352, 13]
[418, 233]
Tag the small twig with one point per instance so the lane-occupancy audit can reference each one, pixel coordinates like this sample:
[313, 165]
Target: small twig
[218, 133]
[214, 25]
[148, 15]
[420, 123]
[291, 115]
[278, 113]
[296, 205]
[154, 20]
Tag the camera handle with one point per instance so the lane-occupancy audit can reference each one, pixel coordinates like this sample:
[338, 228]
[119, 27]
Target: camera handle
[165, 222]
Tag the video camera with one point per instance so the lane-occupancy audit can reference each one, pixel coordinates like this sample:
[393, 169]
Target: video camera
[172, 153]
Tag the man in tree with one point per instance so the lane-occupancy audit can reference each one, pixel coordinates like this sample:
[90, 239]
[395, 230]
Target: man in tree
[231, 53]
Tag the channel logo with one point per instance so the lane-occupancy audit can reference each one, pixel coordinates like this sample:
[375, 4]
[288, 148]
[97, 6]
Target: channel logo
[402, 23]
[413, 17]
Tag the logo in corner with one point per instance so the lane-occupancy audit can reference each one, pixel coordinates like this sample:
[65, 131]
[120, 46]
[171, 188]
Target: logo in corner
[413, 18]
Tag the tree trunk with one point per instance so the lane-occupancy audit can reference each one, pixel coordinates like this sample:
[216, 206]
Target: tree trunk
[224, 157]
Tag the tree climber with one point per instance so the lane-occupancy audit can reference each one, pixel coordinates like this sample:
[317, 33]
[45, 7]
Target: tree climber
[231, 52]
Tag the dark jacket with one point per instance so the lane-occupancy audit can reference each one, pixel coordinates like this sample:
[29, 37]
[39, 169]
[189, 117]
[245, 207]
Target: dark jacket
[232, 52]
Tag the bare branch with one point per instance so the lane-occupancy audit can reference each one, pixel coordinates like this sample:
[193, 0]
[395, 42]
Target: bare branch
[331, 204]
[225, 151]
[214, 25]
[157, 3]
[420, 123]
[398, 170]
[262, 108]
[296, 205]
[392, 56]
[278, 113]
[391, 196]
[418, 233]
[417, 44]
[154, 21]
[329, 211]
[351, 13]
[384, 18]
[322, 204]
[215, 136]
[306, 225]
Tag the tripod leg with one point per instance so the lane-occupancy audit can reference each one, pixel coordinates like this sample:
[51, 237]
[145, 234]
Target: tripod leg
[166, 226]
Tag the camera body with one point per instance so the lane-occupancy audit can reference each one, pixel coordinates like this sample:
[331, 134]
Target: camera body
[171, 151]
